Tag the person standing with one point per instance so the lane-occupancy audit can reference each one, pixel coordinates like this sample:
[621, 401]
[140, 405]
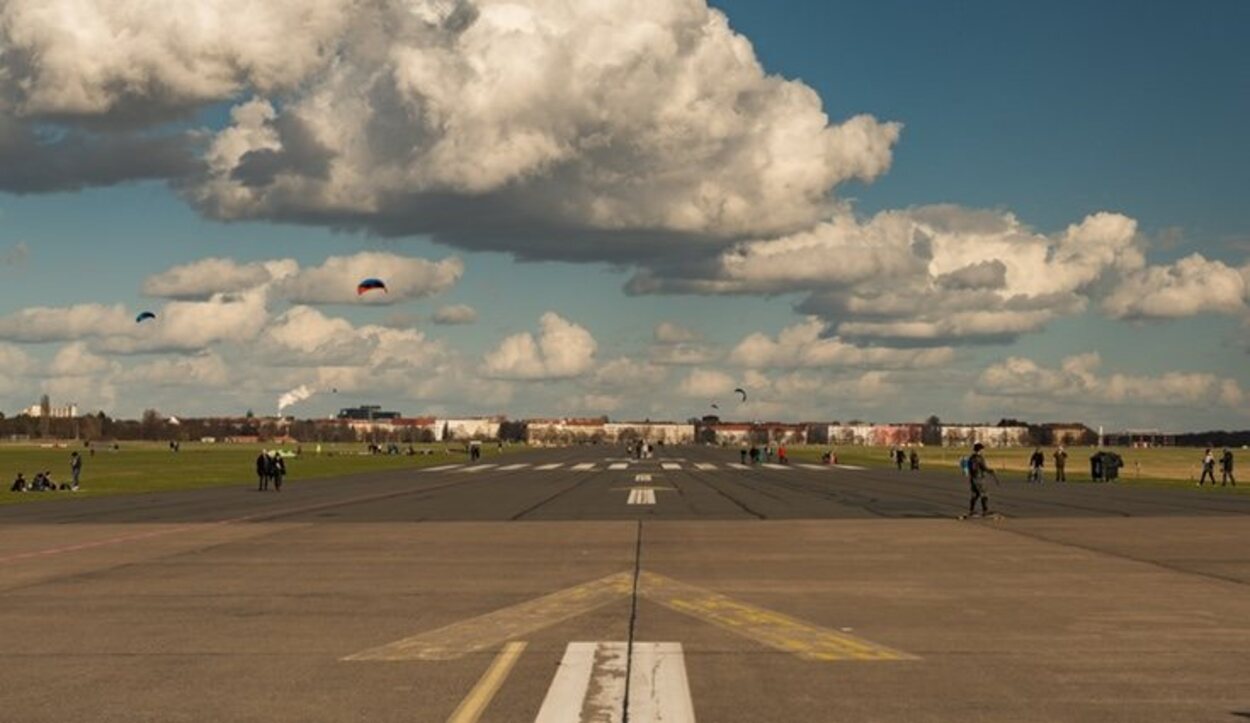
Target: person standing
[978, 469]
[1208, 468]
[279, 471]
[915, 460]
[1226, 468]
[899, 456]
[262, 472]
[742, 453]
[1061, 459]
[75, 469]
[781, 455]
[1036, 460]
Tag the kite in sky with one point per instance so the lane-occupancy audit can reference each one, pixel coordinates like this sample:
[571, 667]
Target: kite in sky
[144, 316]
[370, 285]
[743, 392]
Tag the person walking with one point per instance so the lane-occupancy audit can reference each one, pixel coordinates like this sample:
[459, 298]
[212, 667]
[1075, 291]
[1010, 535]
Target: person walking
[1061, 459]
[742, 453]
[899, 456]
[1208, 468]
[1226, 468]
[915, 460]
[75, 469]
[279, 471]
[978, 470]
[781, 455]
[1036, 460]
[262, 472]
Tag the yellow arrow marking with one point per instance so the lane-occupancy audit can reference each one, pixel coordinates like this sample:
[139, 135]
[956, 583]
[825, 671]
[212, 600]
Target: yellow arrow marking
[486, 631]
[776, 630]
[474, 705]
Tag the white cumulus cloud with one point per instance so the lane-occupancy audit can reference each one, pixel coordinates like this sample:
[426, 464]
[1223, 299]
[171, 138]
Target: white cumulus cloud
[335, 281]
[455, 314]
[561, 350]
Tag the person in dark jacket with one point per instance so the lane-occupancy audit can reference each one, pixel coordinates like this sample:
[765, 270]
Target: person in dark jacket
[279, 471]
[262, 472]
[1226, 468]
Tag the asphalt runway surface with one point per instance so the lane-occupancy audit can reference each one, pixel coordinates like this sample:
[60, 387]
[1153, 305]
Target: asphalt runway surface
[576, 585]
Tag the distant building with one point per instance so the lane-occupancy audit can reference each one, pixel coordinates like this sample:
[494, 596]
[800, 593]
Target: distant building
[367, 413]
[1138, 438]
[469, 429]
[68, 411]
[559, 432]
[661, 432]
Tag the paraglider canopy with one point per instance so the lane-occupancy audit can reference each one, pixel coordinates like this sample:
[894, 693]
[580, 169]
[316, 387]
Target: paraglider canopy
[743, 392]
[370, 285]
[144, 316]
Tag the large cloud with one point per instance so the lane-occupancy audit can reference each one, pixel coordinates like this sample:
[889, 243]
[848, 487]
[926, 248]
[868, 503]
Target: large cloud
[43, 324]
[525, 125]
[334, 282]
[1192, 285]
[201, 279]
[1077, 379]
[929, 275]
[562, 350]
[804, 346]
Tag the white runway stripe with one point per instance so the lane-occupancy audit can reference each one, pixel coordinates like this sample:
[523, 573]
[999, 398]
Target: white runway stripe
[583, 467]
[821, 467]
[442, 468]
[510, 467]
[590, 685]
[553, 465]
[479, 467]
[669, 465]
[704, 466]
[638, 496]
[735, 465]
[849, 466]
[618, 465]
[775, 466]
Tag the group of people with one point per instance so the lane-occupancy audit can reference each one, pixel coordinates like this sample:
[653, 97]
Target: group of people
[1037, 461]
[1226, 468]
[43, 481]
[270, 467]
[899, 457]
[755, 454]
[641, 449]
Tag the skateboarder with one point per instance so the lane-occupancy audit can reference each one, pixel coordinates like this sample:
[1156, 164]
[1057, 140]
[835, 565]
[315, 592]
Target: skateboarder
[977, 471]
[1208, 468]
[1036, 460]
[1226, 468]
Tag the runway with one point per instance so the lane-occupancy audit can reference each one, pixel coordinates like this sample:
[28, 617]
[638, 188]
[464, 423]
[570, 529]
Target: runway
[578, 585]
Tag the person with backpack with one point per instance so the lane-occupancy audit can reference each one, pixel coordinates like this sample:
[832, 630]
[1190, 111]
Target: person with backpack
[978, 470]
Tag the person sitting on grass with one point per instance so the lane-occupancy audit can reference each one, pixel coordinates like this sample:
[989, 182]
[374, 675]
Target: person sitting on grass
[19, 484]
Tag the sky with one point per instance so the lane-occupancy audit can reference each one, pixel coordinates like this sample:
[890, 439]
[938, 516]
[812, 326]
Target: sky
[855, 210]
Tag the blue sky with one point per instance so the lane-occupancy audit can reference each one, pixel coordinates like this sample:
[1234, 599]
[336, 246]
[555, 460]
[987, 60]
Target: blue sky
[1037, 117]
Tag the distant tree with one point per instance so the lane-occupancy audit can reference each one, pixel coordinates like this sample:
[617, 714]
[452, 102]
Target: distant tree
[931, 435]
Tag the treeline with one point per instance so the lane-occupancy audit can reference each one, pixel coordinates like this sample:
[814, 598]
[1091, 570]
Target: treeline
[153, 426]
[1219, 438]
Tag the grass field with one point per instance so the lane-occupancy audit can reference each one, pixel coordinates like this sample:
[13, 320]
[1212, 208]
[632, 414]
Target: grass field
[150, 467]
[1170, 466]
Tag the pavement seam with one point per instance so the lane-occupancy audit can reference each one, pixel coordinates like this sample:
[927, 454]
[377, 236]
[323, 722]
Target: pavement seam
[1152, 563]
[633, 622]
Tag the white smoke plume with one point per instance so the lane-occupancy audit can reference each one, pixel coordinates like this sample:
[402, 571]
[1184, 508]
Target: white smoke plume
[294, 396]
